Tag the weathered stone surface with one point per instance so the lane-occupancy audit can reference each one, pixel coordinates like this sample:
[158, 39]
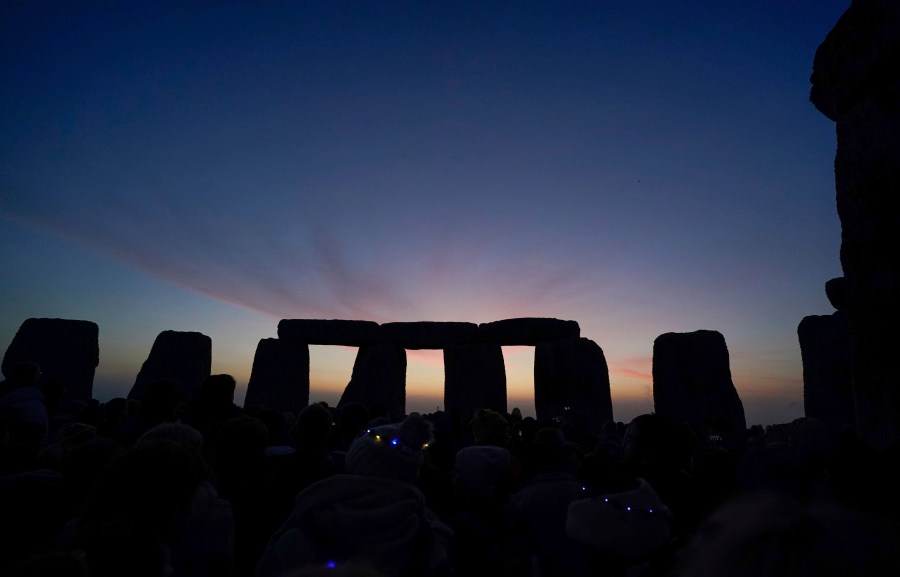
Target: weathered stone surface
[527, 331]
[67, 350]
[856, 83]
[328, 332]
[836, 291]
[379, 378]
[427, 335]
[571, 381]
[280, 376]
[183, 357]
[474, 377]
[692, 382]
[825, 349]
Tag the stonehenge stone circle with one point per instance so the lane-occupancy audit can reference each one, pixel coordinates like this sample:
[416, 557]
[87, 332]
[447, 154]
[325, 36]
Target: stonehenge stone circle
[692, 382]
[856, 84]
[279, 378]
[183, 357]
[474, 377]
[66, 350]
[825, 350]
[379, 379]
[571, 381]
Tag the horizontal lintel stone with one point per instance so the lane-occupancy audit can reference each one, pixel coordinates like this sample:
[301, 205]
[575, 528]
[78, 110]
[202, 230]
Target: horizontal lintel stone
[329, 332]
[527, 331]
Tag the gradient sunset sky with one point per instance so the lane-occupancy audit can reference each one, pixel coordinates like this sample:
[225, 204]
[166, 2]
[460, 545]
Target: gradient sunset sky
[641, 167]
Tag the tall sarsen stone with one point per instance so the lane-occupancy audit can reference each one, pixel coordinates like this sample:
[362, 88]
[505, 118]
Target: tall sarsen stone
[182, 357]
[692, 383]
[67, 351]
[571, 381]
[280, 376]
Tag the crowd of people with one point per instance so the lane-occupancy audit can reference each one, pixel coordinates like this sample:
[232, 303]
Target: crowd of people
[168, 486]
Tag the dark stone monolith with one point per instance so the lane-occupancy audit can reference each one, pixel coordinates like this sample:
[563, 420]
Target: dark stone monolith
[856, 83]
[280, 376]
[692, 383]
[825, 349]
[328, 332]
[68, 351]
[527, 331]
[182, 357]
[571, 382]
[427, 334]
[379, 379]
[474, 377]
[836, 291]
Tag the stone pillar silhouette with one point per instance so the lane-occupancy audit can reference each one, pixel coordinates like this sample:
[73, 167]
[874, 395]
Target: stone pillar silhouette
[474, 377]
[856, 83]
[692, 383]
[67, 351]
[571, 381]
[279, 378]
[825, 349]
[379, 378]
[182, 357]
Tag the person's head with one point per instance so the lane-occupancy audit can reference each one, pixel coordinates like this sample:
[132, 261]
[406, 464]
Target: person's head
[149, 485]
[176, 432]
[490, 428]
[480, 469]
[312, 429]
[391, 451]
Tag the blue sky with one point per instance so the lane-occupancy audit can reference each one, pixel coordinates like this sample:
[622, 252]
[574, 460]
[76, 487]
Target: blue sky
[639, 167]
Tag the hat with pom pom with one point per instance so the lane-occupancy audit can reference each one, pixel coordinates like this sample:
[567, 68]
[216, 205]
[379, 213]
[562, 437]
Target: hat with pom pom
[391, 451]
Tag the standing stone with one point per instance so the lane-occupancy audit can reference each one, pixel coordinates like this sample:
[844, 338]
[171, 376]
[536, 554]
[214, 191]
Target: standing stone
[66, 350]
[692, 383]
[825, 349]
[182, 357]
[856, 83]
[279, 378]
[379, 378]
[527, 331]
[474, 377]
[571, 381]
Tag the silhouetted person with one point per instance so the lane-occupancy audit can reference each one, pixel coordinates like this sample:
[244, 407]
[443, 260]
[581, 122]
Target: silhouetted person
[239, 462]
[211, 405]
[23, 414]
[620, 519]
[537, 511]
[373, 514]
[658, 451]
[480, 545]
[773, 536]
[137, 509]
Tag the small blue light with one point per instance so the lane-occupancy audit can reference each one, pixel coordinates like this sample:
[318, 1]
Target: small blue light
[330, 564]
[605, 500]
[651, 510]
[393, 441]
[628, 508]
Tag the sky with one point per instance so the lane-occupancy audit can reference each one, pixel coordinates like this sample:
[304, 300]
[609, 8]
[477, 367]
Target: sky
[640, 167]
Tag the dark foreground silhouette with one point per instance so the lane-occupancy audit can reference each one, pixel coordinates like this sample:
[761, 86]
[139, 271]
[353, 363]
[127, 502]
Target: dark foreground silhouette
[173, 486]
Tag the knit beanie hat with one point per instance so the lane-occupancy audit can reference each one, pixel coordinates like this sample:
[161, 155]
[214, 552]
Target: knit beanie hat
[630, 525]
[391, 451]
[479, 469]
